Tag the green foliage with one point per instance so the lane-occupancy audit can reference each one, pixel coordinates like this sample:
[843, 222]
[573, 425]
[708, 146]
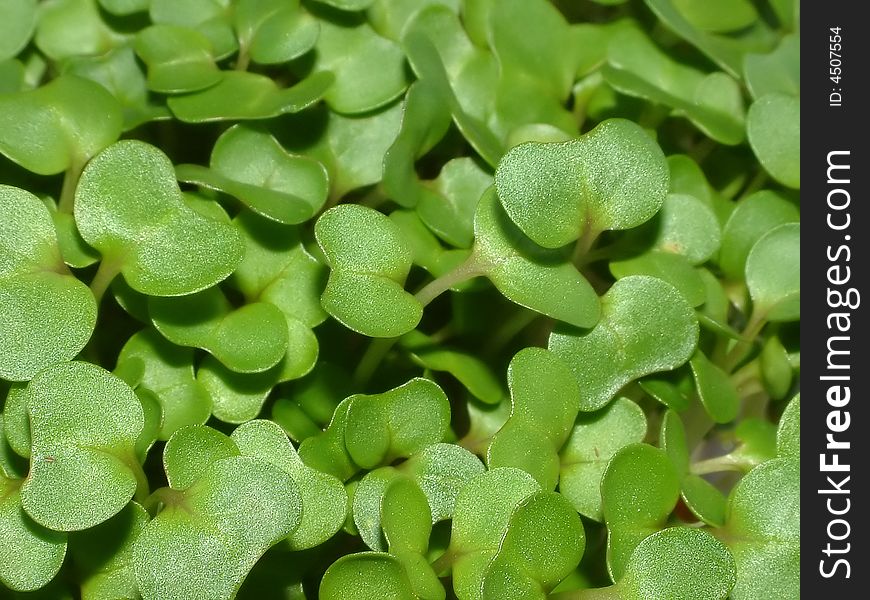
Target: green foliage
[415, 296]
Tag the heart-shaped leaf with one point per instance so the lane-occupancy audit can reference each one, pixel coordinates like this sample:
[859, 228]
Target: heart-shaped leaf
[678, 562]
[763, 531]
[483, 510]
[128, 206]
[639, 490]
[252, 166]
[212, 18]
[368, 498]
[366, 575]
[788, 434]
[777, 71]
[521, 270]
[777, 372]
[441, 471]
[543, 544]
[773, 274]
[242, 96]
[635, 66]
[191, 450]
[614, 177]
[46, 314]
[207, 320]
[274, 31]
[544, 403]
[327, 452]
[773, 129]
[324, 500]
[178, 59]
[17, 23]
[675, 269]
[31, 555]
[396, 423]
[752, 218]
[450, 215]
[58, 126]
[596, 437]
[83, 469]
[104, 554]
[666, 392]
[149, 362]
[374, 269]
[646, 327]
[68, 28]
[207, 537]
[236, 397]
[369, 70]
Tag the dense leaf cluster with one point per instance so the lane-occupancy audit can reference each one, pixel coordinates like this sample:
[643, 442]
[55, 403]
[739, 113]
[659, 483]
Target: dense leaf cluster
[399, 299]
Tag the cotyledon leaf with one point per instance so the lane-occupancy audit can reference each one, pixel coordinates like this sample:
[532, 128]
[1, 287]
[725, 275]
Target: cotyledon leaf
[212, 18]
[614, 177]
[84, 423]
[364, 576]
[324, 500]
[190, 451]
[207, 537]
[774, 132]
[646, 327]
[179, 59]
[773, 274]
[46, 314]
[17, 23]
[788, 434]
[274, 31]
[129, 207]
[58, 126]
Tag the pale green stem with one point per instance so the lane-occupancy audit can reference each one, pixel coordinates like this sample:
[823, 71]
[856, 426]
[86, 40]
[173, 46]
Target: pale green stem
[756, 183]
[716, 465]
[143, 489]
[106, 272]
[243, 60]
[68, 190]
[747, 338]
[164, 496]
[374, 355]
[584, 244]
[463, 272]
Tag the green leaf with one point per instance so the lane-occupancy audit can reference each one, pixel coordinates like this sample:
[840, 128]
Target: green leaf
[371, 263]
[715, 389]
[327, 452]
[426, 250]
[128, 206]
[369, 70]
[207, 538]
[531, 276]
[31, 555]
[191, 450]
[596, 437]
[482, 513]
[243, 96]
[773, 274]
[773, 127]
[725, 50]
[678, 562]
[68, 28]
[666, 393]
[441, 470]
[368, 497]
[754, 216]
[397, 423]
[635, 66]
[124, 7]
[688, 227]
[450, 214]
[469, 370]
[104, 554]
[389, 17]
[639, 490]
[252, 166]
[348, 4]
[405, 517]
[614, 177]
[212, 18]
[763, 531]
[675, 269]
[322, 494]
[17, 23]
[84, 423]
[544, 403]
[543, 544]
[11, 76]
[236, 397]
[724, 16]
[274, 31]
[646, 327]
[207, 320]
[46, 314]
[776, 369]
[178, 59]
[58, 126]
[149, 362]
[788, 434]
[777, 71]
[366, 575]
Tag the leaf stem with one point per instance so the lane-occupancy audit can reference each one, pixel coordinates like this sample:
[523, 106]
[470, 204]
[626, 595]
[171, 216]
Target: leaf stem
[371, 359]
[68, 189]
[468, 269]
[143, 489]
[718, 464]
[106, 272]
[742, 346]
[165, 496]
[243, 60]
[580, 256]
